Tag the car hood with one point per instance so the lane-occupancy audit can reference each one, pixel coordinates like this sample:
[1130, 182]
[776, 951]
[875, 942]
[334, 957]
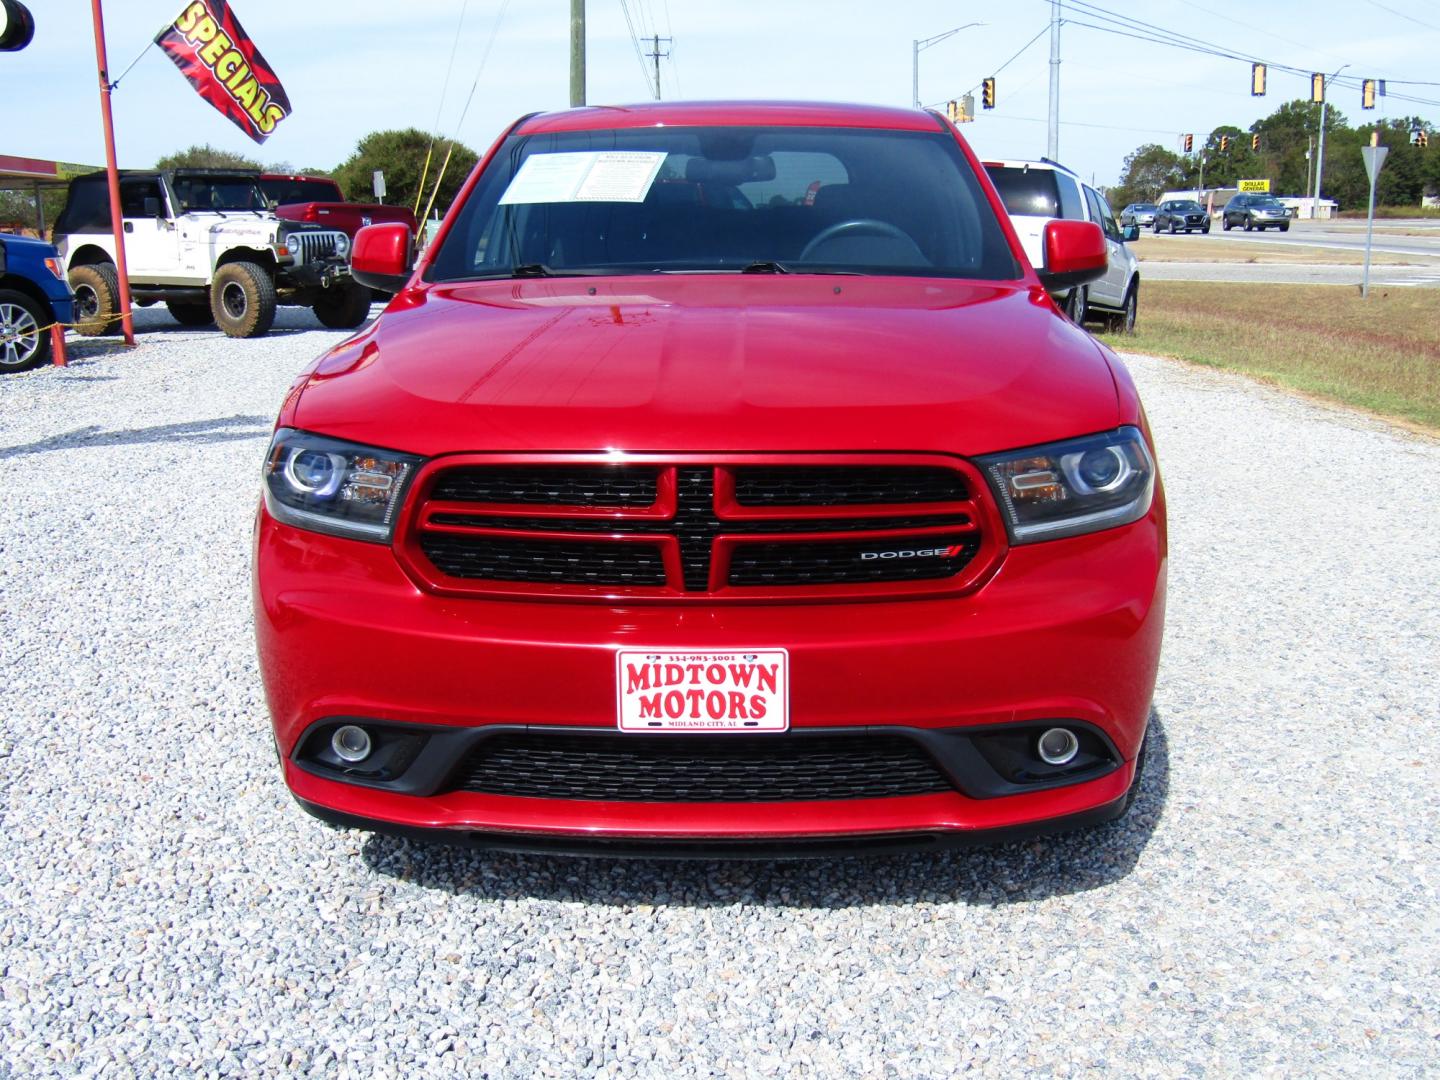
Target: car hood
[27, 245]
[711, 363]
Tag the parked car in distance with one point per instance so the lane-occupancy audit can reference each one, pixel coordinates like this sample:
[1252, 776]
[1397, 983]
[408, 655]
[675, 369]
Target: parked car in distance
[204, 242]
[1181, 215]
[318, 200]
[33, 295]
[1255, 212]
[640, 522]
[1038, 192]
[1140, 214]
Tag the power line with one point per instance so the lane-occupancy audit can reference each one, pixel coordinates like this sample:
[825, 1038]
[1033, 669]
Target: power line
[1382, 7]
[639, 56]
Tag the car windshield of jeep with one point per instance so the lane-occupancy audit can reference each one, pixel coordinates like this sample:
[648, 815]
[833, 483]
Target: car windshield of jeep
[764, 200]
[204, 193]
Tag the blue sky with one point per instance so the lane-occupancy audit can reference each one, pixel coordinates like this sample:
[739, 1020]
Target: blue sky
[365, 64]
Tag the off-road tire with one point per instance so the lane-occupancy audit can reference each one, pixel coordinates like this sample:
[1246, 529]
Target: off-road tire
[343, 307]
[97, 299]
[27, 318]
[190, 314]
[242, 299]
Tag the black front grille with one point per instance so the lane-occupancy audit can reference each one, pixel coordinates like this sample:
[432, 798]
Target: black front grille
[843, 562]
[557, 562]
[549, 485]
[841, 485]
[700, 768]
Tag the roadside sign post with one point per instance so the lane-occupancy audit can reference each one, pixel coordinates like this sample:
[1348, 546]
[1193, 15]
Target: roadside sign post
[1374, 162]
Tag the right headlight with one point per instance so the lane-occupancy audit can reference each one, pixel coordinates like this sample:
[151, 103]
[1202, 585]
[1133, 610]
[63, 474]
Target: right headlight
[1077, 486]
[335, 487]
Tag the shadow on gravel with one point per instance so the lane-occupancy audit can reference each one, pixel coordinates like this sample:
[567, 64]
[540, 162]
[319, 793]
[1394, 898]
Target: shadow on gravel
[1004, 874]
[221, 429]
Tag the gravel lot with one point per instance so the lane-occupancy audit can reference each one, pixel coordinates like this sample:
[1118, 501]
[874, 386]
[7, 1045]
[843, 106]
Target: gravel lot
[1269, 908]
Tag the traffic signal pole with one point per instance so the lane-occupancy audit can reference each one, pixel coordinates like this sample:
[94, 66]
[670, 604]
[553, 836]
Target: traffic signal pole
[127, 323]
[1053, 143]
[1320, 154]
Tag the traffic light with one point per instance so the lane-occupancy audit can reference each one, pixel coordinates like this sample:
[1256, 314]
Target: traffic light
[1189, 143]
[1224, 143]
[1257, 80]
[1367, 94]
[987, 92]
[1424, 140]
[1317, 88]
[952, 111]
[1254, 142]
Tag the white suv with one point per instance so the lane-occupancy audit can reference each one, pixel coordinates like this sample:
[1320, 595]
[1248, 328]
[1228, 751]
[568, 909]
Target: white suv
[1037, 192]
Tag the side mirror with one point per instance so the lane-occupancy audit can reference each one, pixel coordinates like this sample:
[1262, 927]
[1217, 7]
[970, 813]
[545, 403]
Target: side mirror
[381, 256]
[1075, 254]
[1132, 232]
[152, 207]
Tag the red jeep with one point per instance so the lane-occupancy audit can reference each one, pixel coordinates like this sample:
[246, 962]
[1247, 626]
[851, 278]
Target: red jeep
[677, 503]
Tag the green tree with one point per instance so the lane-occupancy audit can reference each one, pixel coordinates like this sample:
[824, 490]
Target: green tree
[1148, 171]
[206, 157]
[401, 156]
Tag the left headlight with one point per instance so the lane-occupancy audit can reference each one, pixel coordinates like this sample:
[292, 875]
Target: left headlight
[1073, 487]
[335, 487]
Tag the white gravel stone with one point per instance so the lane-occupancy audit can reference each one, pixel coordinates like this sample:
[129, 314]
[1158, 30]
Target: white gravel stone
[1268, 909]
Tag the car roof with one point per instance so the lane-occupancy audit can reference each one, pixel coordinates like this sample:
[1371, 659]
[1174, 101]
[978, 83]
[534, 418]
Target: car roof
[1043, 163]
[722, 113]
[150, 174]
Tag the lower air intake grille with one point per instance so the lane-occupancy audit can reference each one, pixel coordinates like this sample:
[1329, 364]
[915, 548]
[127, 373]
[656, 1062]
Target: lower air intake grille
[833, 563]
[700, 768]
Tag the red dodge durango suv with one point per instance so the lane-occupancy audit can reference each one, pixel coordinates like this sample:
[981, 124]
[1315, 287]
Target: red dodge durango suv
[722, 479]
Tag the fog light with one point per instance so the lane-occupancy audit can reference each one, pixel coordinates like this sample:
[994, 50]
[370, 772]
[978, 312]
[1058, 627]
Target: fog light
[352, 743]
[1058, 746]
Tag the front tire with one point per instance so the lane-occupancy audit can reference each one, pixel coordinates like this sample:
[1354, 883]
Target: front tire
[1123, 322]
[97, 299]
[1284, 228]
[24, 341]
[343, 307]
[1172, 228]
[190, 314]
[1205, 229]
[1225, 224]
[242, 299]
[1077, 305]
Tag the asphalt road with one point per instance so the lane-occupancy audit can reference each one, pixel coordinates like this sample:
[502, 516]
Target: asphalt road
[1293, 274]
[1346, 236]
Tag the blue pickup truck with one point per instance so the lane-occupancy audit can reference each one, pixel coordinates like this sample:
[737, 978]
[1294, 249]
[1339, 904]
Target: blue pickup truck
[33, 294]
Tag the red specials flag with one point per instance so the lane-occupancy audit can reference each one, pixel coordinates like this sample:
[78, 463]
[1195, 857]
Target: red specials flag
[211, 49]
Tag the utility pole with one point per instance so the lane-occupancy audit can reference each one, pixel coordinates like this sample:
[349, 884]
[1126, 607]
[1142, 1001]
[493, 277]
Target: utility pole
[1053, 143]
[656, 55]
[1200, 190]
[577, 53]
[1320, 154]
[1309, 161]
[920, 46]
[127, 324]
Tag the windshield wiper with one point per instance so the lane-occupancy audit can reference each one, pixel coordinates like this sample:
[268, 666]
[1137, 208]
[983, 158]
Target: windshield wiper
[541, 270]
[765, 266]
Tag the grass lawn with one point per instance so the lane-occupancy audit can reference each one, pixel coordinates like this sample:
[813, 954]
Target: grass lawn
[1205, 249]
[1381, 354]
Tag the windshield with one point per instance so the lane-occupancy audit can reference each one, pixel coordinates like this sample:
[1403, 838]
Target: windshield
[218, 193]
[1191, 205]
[284, 190]
[1143, 206]
[764, 199]
[1266, 201]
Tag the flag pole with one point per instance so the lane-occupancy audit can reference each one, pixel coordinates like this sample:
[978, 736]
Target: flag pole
[116, 223]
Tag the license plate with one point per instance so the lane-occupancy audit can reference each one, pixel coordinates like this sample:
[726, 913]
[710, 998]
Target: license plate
[703, 691]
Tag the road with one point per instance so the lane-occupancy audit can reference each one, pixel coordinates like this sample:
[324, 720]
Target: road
[1347, 236]
[1267, 909]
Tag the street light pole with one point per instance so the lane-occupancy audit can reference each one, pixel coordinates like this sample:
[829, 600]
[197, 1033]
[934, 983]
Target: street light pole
[920, 46]
[1320, 153]
[1052, 142]
[577, 53]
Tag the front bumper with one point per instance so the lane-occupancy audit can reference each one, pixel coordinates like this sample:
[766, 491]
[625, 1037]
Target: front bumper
[1068, 629]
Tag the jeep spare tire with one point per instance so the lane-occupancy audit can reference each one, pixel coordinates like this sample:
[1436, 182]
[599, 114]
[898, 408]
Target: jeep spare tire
[344, 306]
[97, 299]
[242, 299]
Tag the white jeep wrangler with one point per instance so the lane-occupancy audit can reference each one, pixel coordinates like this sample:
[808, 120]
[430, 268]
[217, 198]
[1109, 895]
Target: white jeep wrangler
[206, 243]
